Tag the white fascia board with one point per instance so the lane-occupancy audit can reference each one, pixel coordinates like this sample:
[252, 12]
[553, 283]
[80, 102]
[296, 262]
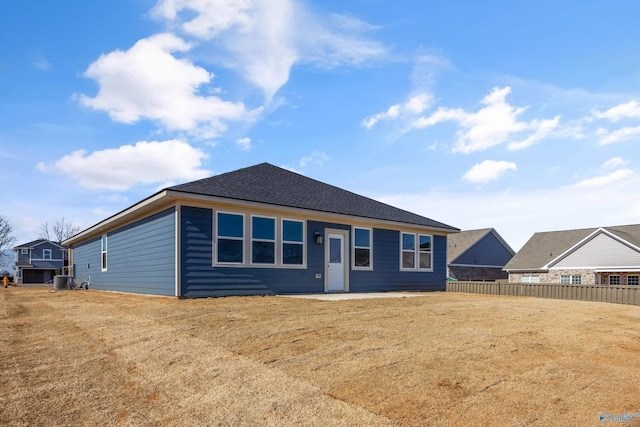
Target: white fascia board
[572, 248]
[582, 242]
[633, 269]
[215, 199]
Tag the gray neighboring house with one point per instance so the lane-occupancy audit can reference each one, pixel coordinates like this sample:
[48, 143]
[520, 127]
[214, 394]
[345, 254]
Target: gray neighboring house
[477, 255]
[261, 230]
[39, 261]
[596, 256]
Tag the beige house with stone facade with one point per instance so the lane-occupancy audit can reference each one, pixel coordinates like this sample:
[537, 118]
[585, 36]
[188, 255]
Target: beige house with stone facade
[596, 256]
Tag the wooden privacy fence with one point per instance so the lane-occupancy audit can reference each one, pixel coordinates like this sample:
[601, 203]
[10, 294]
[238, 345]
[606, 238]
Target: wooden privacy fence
[602, 293]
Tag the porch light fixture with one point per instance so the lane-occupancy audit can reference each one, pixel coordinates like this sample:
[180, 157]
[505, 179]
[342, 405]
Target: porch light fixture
[318, 237]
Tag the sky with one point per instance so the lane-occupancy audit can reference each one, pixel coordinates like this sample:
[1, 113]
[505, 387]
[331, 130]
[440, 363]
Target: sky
[522, 116]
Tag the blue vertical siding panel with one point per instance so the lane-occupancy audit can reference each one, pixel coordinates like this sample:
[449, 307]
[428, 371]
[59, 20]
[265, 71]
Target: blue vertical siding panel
[200, 279]
[141, 257]
[386, 274]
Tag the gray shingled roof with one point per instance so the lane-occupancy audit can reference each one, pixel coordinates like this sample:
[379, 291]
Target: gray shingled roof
[265, 183]
[546, 246]
[33, 244]
[458, 243]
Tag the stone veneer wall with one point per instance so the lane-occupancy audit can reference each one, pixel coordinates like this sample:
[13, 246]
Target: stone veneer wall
[588, 276]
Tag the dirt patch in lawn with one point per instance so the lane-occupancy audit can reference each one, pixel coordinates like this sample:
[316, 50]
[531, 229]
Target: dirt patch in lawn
[90, 357]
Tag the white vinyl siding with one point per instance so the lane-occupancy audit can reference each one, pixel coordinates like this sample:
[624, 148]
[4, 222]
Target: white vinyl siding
[601, 251]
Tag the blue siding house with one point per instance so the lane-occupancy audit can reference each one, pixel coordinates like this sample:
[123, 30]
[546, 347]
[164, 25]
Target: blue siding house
[478, 255]
[261, 230]
[39, 261]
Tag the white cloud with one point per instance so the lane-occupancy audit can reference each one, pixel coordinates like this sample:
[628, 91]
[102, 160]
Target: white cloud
[614, 162]
[147, 81]
[263, 40]
[494, 124]
[487, 171]
[39, 61]
[604, 180]
[119, 169]
[623, 134]
[317, 157]
[244, 143]
[629, 110]
[416, 104]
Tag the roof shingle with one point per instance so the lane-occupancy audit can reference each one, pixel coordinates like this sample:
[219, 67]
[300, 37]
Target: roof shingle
[265, 183]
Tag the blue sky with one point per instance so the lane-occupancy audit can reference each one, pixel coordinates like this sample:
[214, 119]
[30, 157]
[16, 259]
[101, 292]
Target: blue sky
[523, 116]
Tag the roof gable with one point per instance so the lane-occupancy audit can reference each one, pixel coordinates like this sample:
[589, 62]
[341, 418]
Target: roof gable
[36, 243]
[265, 183]
[600, 249]
[484, 247]
[546, 249]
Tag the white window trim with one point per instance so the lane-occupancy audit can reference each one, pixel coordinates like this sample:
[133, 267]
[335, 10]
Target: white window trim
[530, 278]
[24, 251]
[430, 252]
[416, 253]
[304, 243]
[354, 247]
[614, 275]
[274, 241]
[637, 279]
[104, 253]
[44, 254]
[242, 239]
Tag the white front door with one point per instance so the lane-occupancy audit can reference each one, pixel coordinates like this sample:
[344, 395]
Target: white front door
[335, 258]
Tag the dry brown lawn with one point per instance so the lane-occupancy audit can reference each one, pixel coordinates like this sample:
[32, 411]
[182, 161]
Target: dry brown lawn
[99, 358]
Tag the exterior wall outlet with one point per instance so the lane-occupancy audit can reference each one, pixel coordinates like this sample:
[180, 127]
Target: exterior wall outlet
[318, 275]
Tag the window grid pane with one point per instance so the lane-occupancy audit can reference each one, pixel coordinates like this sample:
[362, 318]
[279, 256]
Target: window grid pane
[614, 280]
[633, 280]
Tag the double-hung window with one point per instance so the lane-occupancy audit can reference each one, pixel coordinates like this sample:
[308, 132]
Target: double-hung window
[46, 254]
[570, 279]
[361, 248]
[263, 240]
[103, 250]
[425, 251]
[230, 238]
[529, 278]
[408, 250]
[292, 242]
[416, 251]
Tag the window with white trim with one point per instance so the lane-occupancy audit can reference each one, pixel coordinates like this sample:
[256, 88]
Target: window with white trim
[614, 280]
[24, 251]
[408, 246]
[103, 251]
[425, 251]
[530, 278]
[415, 255]
[229, 238]
[362, 248]
[46, 254]
[292, 242]
[633, 280]
[263, 240]
[567, 279]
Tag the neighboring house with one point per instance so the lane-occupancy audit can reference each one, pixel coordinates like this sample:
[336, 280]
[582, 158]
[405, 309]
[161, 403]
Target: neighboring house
[257, 231]
[477, 255]
[39, 261]
[603, 256]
